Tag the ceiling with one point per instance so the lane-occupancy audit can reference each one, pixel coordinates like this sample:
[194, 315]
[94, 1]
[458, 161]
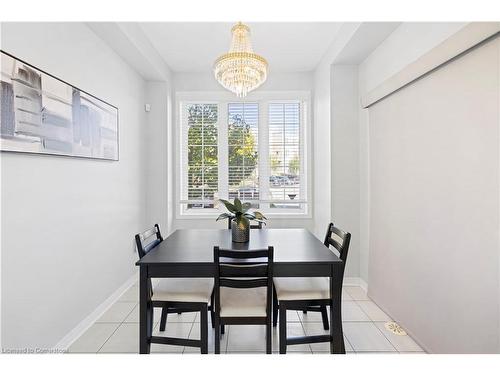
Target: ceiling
[288, 47]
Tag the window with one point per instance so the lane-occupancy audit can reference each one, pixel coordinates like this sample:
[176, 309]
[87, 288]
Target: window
[253, 150]
[243, 152]
[284, 154]
[202, 156]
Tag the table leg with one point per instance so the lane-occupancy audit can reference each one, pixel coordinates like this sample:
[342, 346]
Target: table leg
[337, 336]
[146, 313]
[282, 327]
[204, 329]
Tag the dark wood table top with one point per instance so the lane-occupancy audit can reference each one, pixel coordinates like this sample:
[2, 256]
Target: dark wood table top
[195, 246]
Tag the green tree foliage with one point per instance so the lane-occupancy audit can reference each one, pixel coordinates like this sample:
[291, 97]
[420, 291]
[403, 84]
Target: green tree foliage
[203, 161]
[294, 165]
[243, 156]
[276, 166]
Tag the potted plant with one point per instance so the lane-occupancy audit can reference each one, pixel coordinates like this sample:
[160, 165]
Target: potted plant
[240, 217]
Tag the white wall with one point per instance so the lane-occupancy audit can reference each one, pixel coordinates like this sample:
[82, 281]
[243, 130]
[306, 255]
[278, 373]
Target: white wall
[431, 190]
[406, 44]
[156, 132]
[329, 123]
[67, 223]
[434, 198]
[322, 189]
[345, 158]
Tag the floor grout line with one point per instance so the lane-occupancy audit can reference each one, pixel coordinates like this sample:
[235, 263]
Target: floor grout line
[119, 325]
[227, 338]
[189, 334]
[299, 320]
[304, 329]
[385, 337]
[394, 345]
[366, 313]
[345, 290]
[346, 339]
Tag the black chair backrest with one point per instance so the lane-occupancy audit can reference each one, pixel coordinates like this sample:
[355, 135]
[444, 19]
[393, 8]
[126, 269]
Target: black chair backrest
[339, 240]
[244, 269]
[252, 226]
[148, 240]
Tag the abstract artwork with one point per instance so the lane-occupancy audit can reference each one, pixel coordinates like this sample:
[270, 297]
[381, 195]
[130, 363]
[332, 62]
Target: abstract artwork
[40, 113]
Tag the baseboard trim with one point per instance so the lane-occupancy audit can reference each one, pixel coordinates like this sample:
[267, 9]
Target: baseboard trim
[356, 281]
[86, 323]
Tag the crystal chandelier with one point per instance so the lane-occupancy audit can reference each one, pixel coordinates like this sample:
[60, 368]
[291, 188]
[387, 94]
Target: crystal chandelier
[240, 70]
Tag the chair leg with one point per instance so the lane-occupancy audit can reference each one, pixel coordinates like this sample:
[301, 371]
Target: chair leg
[222, 329]
[269, 332]
[282, 328]
[324, 316]
[212, 317]
[217, 335]
[212, 310]
[304, 311]
[163, 321]
[204, 329]
[275, 308]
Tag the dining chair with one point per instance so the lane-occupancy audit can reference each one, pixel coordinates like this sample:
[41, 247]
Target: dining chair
[322, 308]
[243, 290]
[177, 295]
[307, 293]
[252, 226]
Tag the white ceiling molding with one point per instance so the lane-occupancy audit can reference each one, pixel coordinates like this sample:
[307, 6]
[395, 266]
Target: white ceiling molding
[365, 39]
[129, 41]
[344, 35]
[465, 39]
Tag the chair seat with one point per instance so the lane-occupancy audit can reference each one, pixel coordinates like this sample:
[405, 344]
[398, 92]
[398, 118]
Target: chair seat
[301, 288]
[242, 302]
[183, 290]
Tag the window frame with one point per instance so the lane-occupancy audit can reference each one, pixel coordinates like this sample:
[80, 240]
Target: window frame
[263, 98]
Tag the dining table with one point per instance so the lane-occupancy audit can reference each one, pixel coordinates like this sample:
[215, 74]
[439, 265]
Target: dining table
[189, 253]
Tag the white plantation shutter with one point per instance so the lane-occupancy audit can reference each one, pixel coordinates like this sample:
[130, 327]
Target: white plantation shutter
[250, 150]
[200, 155]
[285, 159]
[243, 162]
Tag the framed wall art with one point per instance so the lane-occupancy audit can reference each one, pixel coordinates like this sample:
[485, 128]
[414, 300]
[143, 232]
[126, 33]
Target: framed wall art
[42, 114]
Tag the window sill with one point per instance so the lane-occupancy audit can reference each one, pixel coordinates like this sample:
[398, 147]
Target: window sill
[273, 215]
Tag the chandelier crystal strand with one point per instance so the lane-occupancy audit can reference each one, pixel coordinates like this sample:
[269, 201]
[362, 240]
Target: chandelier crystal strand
[240, 70]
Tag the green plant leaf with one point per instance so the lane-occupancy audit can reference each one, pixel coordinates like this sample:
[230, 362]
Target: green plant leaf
[238, 205]
[225, 215]
[246, 207]
[259, 216]
[249, 215]
[229, 206]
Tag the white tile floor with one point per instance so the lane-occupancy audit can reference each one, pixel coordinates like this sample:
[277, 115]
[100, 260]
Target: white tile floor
[117, 330]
